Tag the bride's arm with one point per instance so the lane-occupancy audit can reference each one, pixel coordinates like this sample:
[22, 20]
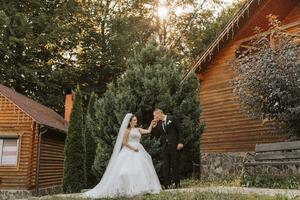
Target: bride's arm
[125, 142]
[146, 131]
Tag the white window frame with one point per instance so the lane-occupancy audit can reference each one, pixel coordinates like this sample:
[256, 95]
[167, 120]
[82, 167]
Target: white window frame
[2, 138]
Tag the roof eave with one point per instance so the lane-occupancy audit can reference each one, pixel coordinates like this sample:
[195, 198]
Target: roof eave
[215, 44]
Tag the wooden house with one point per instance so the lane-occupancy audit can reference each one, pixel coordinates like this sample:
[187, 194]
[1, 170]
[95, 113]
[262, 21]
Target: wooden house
[31, 146]
[228, 134]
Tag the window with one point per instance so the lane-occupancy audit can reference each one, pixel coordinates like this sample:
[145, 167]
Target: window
[8, 151]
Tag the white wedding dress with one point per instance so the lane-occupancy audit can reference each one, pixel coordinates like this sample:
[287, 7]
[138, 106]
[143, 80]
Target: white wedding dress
[129, 173]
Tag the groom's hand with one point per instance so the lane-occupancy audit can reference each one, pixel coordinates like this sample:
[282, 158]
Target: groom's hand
[179, 146]
[154, 123]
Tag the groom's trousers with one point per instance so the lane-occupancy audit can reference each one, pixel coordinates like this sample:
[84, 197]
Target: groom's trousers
[170, 165]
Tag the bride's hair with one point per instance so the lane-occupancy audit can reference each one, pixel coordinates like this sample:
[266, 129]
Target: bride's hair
[133, 116]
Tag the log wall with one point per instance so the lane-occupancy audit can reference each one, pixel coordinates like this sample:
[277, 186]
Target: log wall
[52, 159]
[15, 121]
[226, 128]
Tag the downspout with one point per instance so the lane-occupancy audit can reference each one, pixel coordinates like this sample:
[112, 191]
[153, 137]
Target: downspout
[37, 171]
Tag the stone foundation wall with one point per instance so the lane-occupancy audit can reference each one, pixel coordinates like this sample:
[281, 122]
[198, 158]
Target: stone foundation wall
[274, 170]
[23, 194]
[221, 166]
[228, 166]
[50, 190]
[15, 194]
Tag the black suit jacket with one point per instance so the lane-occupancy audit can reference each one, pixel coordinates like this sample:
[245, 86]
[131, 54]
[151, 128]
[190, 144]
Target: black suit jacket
[172, 133]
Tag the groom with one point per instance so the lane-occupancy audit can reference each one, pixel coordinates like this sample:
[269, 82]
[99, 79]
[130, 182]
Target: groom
[167, 128]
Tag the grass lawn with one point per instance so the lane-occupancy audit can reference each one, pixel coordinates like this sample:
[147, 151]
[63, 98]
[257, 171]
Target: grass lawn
[192, 183]
[194, 196]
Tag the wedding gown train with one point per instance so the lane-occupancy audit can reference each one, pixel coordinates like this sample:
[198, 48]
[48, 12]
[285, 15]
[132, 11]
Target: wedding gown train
[132, 174]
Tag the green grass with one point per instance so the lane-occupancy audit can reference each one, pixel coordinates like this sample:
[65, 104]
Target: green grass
[259, 181]
[197, 195]
[194, 196]
[272, 181]
[192, 183]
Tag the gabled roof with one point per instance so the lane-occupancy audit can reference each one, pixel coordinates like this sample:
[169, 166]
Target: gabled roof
[242, 25]
[38, 112]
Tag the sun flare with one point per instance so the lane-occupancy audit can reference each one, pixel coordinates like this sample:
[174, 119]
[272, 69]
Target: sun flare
[162, 12]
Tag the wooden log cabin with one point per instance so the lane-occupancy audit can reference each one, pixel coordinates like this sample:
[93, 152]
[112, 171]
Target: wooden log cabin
[31, 146]
[228, 134]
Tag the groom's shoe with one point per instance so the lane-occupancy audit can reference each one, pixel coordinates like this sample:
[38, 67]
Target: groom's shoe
[166, 187]
[177, 185]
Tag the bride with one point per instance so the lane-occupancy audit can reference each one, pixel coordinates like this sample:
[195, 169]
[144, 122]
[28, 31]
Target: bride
[130, 170]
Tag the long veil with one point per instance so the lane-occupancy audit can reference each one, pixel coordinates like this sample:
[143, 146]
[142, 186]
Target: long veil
[118, 145]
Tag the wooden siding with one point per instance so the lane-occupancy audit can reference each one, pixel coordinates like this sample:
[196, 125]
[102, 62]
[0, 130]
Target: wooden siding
[52, 159]
[15, 121]
[266, 7]
[23, 176]
[293, 16]
[226, 128]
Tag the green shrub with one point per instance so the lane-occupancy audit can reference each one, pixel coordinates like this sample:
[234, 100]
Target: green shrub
[267, 78]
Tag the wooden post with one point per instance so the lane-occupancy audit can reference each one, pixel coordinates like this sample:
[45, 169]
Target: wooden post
[37, 171]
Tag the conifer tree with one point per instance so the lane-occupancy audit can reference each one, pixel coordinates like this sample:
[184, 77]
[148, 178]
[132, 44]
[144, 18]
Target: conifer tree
[89, 142]
[152, 80]
[74, 179]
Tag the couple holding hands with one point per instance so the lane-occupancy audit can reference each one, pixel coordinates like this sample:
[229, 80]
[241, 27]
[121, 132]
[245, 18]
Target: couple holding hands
[130, 170]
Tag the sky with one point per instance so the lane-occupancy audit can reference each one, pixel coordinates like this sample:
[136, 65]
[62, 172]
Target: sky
[163, 10]
[225, 3]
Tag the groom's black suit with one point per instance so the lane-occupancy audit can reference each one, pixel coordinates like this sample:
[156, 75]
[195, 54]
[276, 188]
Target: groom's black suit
[170, 136]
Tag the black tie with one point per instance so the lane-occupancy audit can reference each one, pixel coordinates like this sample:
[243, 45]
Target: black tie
[164, 125]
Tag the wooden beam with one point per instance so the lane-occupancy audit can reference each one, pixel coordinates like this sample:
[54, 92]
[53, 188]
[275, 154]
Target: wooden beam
[286, 26]
[273, 163]
[279, 146]
[277, 156]
[248, 47]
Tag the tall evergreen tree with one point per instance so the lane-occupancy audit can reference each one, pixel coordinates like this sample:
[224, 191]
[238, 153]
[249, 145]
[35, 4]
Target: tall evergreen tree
[74, 179]
[34, 39]
[151, 80]
[52, 45]
[202, 32]
[89, 142]
[113, 30]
